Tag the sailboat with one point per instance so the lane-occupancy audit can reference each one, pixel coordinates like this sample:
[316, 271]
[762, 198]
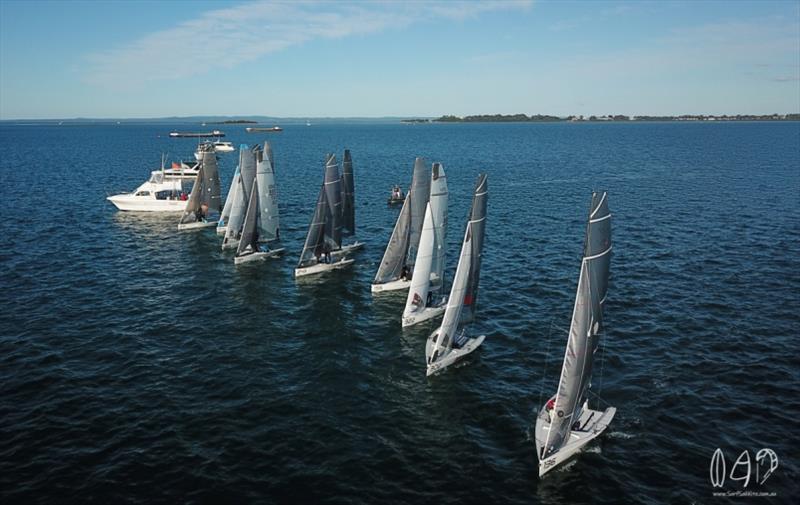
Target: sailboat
[348, 203]
[233, 196]
[446, 345]
[204, 199]
[261, 223]
[247, 177]
[428, 278]
[322, 250]
[566, 423]
[397, 265]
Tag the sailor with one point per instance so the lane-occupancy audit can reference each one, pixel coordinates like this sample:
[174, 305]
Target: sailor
[404, 273]
[549, 406]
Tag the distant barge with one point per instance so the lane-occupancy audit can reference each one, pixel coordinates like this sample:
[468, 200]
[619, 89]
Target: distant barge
[215, 133]
[254, 129]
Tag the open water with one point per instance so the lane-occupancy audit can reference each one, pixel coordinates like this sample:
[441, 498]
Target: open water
[138, 365]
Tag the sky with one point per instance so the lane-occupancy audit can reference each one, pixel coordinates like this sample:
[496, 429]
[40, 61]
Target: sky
[140, 59]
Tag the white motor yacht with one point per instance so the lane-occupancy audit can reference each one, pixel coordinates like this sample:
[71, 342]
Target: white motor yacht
[166, 191]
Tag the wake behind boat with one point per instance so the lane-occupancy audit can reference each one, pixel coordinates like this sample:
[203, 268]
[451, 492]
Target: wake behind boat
[565, 423]
[213, 133]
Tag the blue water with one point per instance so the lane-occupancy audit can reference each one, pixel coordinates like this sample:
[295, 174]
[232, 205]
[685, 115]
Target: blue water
[138, 365]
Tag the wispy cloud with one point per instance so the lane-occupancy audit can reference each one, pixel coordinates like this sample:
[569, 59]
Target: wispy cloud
[243, 33]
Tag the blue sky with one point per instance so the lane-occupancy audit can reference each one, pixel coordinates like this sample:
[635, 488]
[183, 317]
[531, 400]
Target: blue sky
[100, 59]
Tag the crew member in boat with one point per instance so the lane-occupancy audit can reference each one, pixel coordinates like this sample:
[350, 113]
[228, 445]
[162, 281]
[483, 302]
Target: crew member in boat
[549, 406]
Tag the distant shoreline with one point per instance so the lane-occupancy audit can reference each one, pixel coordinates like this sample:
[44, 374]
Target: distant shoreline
[538, 118]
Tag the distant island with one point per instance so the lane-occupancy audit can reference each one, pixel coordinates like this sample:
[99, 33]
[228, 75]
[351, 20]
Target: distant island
[539, 118]
[234, 121]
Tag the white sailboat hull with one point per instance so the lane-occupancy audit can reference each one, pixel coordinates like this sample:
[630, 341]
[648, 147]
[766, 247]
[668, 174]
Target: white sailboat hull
[257, 256]
[347, 249]
[397, 285]
[423, 315]
[592, 424]
[221, 230]
[453, 356]
[196, 225]
[322, 267]
[231, 244]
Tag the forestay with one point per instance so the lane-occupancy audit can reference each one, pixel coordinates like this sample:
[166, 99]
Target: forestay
[587, 323]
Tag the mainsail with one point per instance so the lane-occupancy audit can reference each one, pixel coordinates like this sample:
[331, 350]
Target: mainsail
[587, 323]
[205, 196]
[402, 248]
[247, 175]
[348, 195]
[249, 238]
[438, 201]
[247, 167]
[419, 195]
[315, 243]
[268, 222]
[478, 221]
[333, 195]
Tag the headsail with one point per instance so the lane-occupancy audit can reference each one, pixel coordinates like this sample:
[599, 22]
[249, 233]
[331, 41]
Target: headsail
[394, 257]
[587, 322]
[315, 244]
[348, 195]
[226, 209]
[250, 237]
[267, 194]
[333, 195]
[420, 282]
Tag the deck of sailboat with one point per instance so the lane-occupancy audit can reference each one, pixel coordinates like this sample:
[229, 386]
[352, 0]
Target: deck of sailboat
[590, 425]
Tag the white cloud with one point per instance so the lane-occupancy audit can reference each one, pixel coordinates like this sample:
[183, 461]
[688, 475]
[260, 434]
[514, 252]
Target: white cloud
[236, 35]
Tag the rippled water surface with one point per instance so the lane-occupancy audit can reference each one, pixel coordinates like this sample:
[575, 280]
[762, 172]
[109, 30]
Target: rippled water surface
[137, 364]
